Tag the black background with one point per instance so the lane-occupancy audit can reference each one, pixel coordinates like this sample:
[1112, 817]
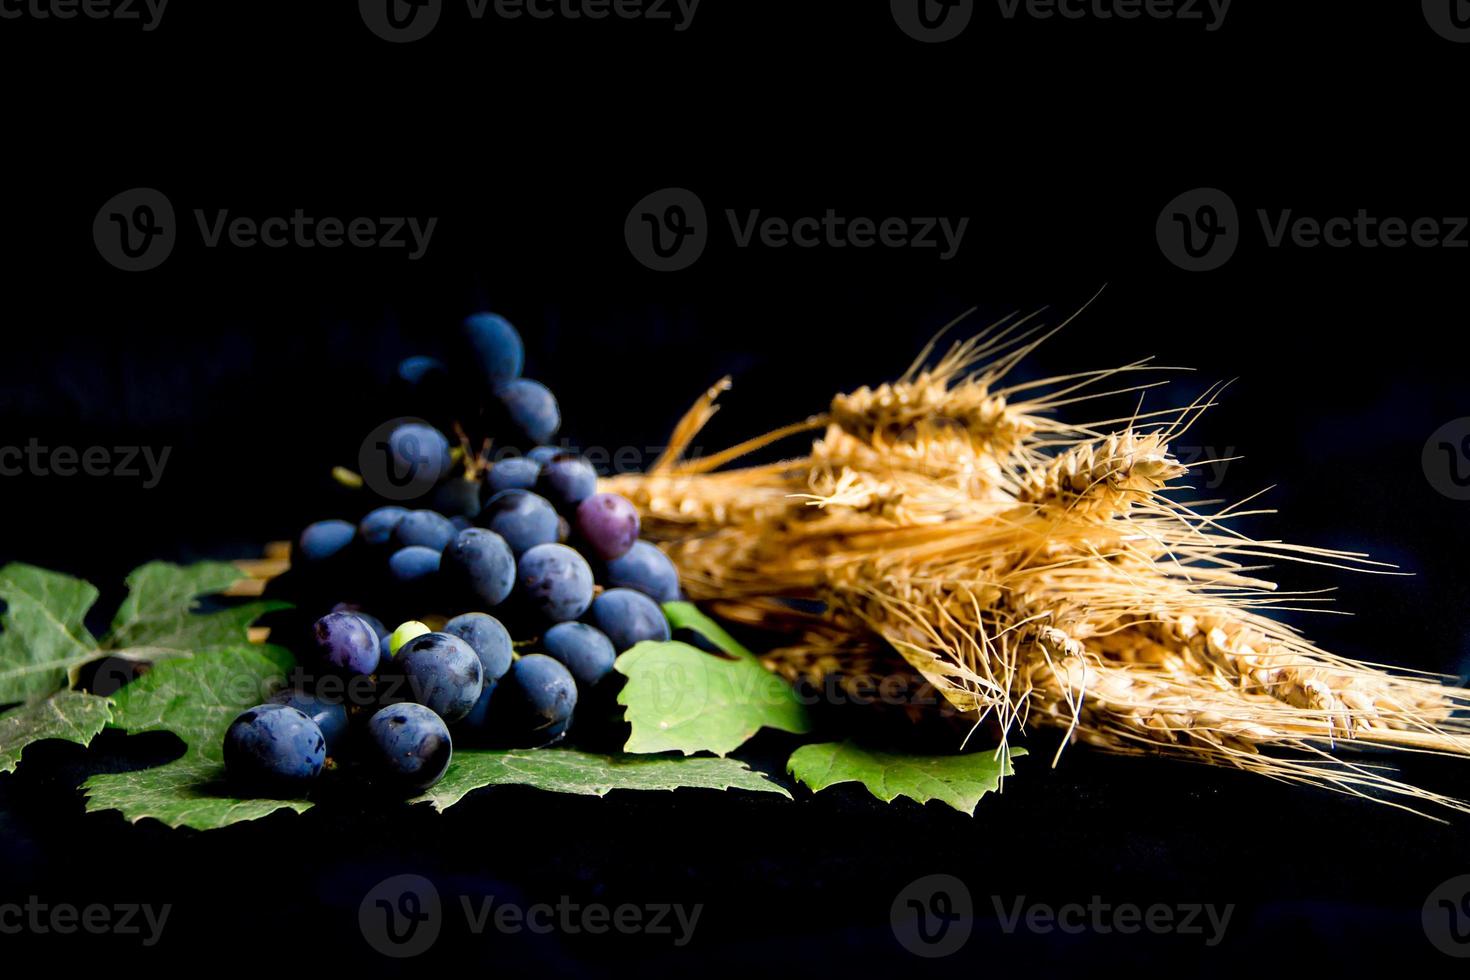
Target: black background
[1061, 141]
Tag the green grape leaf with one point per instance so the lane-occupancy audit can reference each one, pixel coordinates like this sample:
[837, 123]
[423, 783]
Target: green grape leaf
[196, 699]
[569, 771]
[678, 697]
[43, 638]
[44, 642]
[158, 617]
[958, 780]
[73, 716]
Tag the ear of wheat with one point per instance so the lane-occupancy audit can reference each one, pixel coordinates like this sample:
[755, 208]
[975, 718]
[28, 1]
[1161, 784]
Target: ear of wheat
[1035, 572]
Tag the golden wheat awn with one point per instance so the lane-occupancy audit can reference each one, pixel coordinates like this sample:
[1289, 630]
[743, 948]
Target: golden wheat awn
[1034, 572]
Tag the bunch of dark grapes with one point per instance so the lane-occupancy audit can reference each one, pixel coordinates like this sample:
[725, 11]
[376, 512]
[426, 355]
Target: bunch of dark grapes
[535, 581]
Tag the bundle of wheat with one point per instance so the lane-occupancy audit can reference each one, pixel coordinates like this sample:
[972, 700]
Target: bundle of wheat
[1033, 570]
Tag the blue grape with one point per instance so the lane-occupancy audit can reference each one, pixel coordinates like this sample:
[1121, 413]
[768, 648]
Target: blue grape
[371, 620]
[377, 527]
[324, 539]
[556, 582]
[584, 650]
[461, 521]
[480, 562]
[422, 369]
[566, 481]
[530, 409]
[608, 524]
[420, 452]
[413, 564]
[513, 473]
[541, 455]
[426, 528]
[458, 497]
[330, 716]
[522, 518]
[628, 617]
[645, 569]
[443, 674]
[274, 749]
[492, 644]
[347, 642]
[536, 699]
[495, 347]
[411, 744]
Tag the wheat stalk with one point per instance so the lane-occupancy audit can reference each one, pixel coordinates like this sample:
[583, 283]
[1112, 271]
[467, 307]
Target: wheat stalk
[1034, 571]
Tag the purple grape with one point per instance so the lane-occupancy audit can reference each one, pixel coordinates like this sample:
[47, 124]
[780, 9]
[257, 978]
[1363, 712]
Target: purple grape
[481, 564]
[443, 674]
[584, 650]
[522, 518]
[566, 481]
[646, 569]
[347, 642]
[555, 582]
[608, 524]
[274, 749]
[536, 700]
[529, 409]
[628, 618]
[411, 744]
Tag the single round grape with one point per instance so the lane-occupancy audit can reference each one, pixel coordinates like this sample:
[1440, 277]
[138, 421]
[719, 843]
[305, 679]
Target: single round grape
[536, 699]
[413, 564]
[274, 749]
[584, 650]
[481, 563]
[494, 347]
[522, 518]
[411, 745]
[330, 716]
[608, 524]
[628, 617]
[377, 526]
[457, 498]
[530, 409]
[323, 540]
[644, 569]
[425, 528]
[513, 473]
[420, 452]
[541, 455]
[556, 582]
[443, 674]
[492, 644]
[347, 642]
[411, 630]
[566, 481]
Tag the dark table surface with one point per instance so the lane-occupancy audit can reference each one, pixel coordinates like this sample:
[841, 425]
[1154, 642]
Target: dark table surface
[1060, 140]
